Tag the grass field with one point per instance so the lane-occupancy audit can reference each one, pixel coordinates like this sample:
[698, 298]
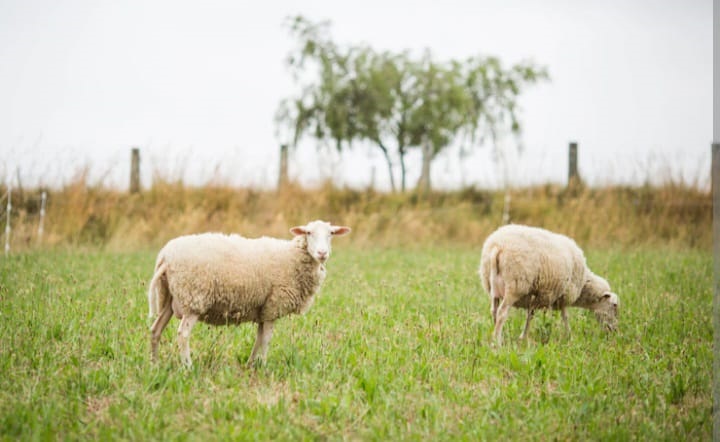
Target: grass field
[396, 347]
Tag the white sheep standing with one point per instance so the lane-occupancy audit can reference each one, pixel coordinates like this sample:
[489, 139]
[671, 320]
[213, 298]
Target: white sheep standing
[228, 279]
[533, 268]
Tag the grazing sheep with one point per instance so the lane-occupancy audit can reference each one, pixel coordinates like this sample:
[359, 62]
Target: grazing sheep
[227, 279]
[533, 268]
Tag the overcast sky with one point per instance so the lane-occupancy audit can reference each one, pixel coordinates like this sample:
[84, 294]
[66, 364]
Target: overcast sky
[195, 85]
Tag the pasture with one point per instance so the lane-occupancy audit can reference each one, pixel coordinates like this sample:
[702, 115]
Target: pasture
[396, 347]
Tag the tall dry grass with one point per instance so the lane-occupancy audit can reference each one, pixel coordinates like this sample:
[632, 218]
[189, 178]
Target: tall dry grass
[85, 214]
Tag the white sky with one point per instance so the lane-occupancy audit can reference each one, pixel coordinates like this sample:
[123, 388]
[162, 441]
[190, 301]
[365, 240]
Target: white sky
[196, 84]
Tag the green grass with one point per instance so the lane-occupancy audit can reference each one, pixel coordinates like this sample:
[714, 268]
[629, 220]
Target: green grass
[397, 346]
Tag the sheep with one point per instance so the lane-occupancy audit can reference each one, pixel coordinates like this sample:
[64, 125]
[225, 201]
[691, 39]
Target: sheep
[533, 268]
[228, 279]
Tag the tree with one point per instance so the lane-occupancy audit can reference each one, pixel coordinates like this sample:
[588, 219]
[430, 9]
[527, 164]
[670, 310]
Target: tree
[388, 101]
[444, 103]
[354, 94]
[362, 109]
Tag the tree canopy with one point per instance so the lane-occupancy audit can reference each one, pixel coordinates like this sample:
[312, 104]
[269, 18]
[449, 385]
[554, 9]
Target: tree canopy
[395, 101]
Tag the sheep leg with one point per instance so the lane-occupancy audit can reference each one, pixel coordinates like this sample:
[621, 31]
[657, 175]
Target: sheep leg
[256, 347]
[497, 292]
[494, 308]
[186, 325]
[264, 334]
[502, 315]
[530, 314]
[563, 314]
[157, 328]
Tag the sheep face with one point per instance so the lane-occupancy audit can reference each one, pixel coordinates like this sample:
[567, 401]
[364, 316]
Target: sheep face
[319, 235]
[606, 302]
[606, 310]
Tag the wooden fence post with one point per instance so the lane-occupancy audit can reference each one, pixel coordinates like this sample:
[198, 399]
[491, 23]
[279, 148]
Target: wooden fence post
[41, 224]
[283, 174]
[135, 170]
[573, 176]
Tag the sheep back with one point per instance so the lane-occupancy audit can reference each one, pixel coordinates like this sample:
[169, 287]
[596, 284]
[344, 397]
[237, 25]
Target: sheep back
[231, 279]
[539, 268]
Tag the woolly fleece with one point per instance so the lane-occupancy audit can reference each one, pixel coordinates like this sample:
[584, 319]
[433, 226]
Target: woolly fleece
[229, 279]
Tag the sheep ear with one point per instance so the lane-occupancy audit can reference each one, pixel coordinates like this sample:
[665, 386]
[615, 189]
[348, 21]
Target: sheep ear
[340, 230]
[299, 230]
[612, 297]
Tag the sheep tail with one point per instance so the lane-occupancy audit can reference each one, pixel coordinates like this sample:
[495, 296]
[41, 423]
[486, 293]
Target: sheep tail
[153, 299]
[494, 264]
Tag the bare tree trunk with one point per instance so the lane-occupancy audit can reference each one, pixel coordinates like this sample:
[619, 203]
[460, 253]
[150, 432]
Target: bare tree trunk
[389, 163]
[402, 172]
[423, 184]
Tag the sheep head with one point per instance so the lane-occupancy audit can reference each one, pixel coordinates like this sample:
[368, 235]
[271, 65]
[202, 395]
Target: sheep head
[605, 303]
[318, 236]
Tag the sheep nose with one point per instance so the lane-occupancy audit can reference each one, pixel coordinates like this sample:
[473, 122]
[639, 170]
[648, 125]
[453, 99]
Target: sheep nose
[322, 254]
